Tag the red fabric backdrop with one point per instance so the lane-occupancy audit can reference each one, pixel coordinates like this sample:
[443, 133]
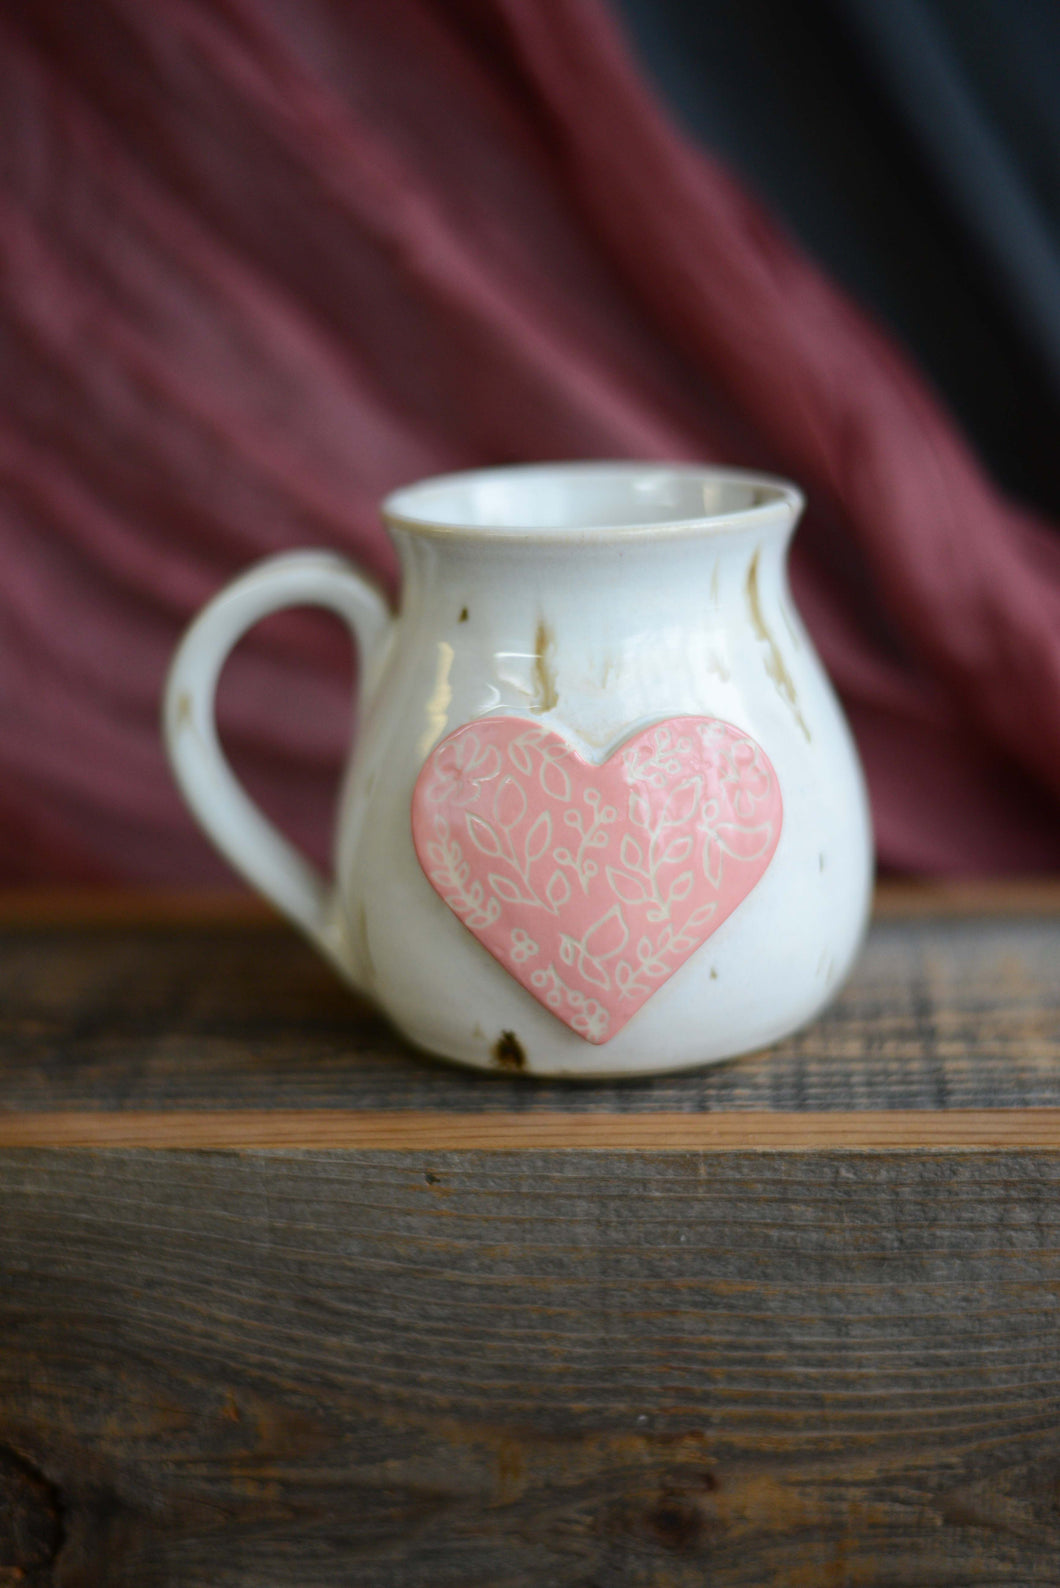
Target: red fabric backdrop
[266, 259]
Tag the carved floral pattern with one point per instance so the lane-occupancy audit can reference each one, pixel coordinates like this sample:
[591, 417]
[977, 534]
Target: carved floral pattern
[592, 884]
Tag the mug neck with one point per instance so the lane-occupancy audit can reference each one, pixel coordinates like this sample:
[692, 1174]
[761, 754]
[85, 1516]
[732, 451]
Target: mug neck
[432, 565]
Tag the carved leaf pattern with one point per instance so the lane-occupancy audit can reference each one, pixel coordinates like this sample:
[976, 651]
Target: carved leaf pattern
[593, 884]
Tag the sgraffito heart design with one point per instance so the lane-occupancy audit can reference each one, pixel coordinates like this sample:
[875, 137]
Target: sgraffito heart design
[591, 884]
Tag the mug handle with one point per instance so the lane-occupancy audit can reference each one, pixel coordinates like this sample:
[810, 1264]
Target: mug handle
[239, 829]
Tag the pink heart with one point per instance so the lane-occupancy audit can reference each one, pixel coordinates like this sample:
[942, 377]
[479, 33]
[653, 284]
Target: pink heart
[590, 884]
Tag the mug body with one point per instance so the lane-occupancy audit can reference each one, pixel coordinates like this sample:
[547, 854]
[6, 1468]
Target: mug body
[607, 627]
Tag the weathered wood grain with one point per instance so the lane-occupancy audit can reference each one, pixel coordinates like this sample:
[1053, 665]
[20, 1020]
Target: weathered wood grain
[167, 1010]
[457, 1339]
[756, 1370]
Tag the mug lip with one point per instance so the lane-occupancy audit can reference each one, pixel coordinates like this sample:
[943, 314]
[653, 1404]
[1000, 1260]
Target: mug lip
[786, 501]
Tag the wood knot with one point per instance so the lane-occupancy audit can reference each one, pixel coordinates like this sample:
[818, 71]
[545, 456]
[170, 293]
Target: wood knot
[676, 1522]
[676, 1515]
[31, 1521]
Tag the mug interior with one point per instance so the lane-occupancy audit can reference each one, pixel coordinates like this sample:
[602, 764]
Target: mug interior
[557, 498]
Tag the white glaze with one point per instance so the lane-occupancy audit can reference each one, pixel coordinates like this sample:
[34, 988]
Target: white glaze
[612, 606]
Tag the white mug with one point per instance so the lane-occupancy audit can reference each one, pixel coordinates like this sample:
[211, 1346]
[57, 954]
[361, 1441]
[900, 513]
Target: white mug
[605, 817]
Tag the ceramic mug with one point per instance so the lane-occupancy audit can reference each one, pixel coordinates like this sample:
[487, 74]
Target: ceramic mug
[605, 816]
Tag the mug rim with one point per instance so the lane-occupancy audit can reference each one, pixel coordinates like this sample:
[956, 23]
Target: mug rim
[783, 502]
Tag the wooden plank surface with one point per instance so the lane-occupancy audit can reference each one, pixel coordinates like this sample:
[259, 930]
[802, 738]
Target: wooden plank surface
[157, 1005]
[369, 1322]
[454, 1370]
